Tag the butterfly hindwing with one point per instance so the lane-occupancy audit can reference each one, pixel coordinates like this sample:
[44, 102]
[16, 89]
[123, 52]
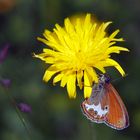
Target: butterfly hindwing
[95, 108]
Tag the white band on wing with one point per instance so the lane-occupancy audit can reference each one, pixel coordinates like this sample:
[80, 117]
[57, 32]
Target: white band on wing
[97, 108]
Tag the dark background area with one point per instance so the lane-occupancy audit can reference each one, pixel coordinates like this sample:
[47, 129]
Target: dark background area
[54, 116]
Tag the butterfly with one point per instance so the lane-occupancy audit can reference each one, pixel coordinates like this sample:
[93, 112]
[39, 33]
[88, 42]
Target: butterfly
[105, 105]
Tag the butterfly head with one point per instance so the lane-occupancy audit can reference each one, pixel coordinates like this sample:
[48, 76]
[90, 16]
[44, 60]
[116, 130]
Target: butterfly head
[103, 78]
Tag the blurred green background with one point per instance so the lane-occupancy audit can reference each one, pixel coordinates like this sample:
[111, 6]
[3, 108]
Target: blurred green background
[54, 116]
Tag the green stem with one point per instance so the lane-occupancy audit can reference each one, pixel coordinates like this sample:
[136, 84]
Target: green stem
[92, 131]
[19, 114]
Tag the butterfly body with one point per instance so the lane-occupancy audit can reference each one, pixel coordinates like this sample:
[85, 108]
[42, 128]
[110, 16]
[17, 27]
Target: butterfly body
[105, 105]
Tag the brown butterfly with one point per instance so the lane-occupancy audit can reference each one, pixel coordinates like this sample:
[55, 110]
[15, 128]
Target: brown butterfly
[105, 105]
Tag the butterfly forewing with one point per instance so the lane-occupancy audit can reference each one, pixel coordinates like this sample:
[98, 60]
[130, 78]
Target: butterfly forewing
[117, 116]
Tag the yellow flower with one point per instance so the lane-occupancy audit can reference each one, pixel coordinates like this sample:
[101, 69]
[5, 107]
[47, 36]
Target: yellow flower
[76, 51]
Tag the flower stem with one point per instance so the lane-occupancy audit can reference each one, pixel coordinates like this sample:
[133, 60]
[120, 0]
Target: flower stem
[19, 114]
[92, 131]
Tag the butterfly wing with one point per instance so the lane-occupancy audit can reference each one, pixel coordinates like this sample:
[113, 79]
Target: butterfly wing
[106, 106]
[117, 117]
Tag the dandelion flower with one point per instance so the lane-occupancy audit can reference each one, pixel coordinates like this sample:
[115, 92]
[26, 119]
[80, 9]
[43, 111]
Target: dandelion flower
[76, 51]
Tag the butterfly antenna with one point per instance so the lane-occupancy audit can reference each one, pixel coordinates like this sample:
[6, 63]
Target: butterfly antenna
[114, 80]
[19, 114]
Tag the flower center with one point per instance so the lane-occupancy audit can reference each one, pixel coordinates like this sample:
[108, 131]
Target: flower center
[78, 61]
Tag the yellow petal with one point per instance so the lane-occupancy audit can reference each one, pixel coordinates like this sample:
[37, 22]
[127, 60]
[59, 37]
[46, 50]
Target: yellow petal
[118, 39]
[49, 60]
[100, 67]
[114, 34]
[40, 56]
[61, 38]
[92, 73]
[42, 40]
[44, 57]
[116, 49]
[116, 65]
[49, 73]
[51, 42]
[49, 51]
[71, 87]
[79, 79]
[57, 78]
[78, 28]
[106, 25]
[87, 85]
[87, 20]
[101, 31]
[64, 80]
[69, 27]
[87, 24]
[87, 92]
